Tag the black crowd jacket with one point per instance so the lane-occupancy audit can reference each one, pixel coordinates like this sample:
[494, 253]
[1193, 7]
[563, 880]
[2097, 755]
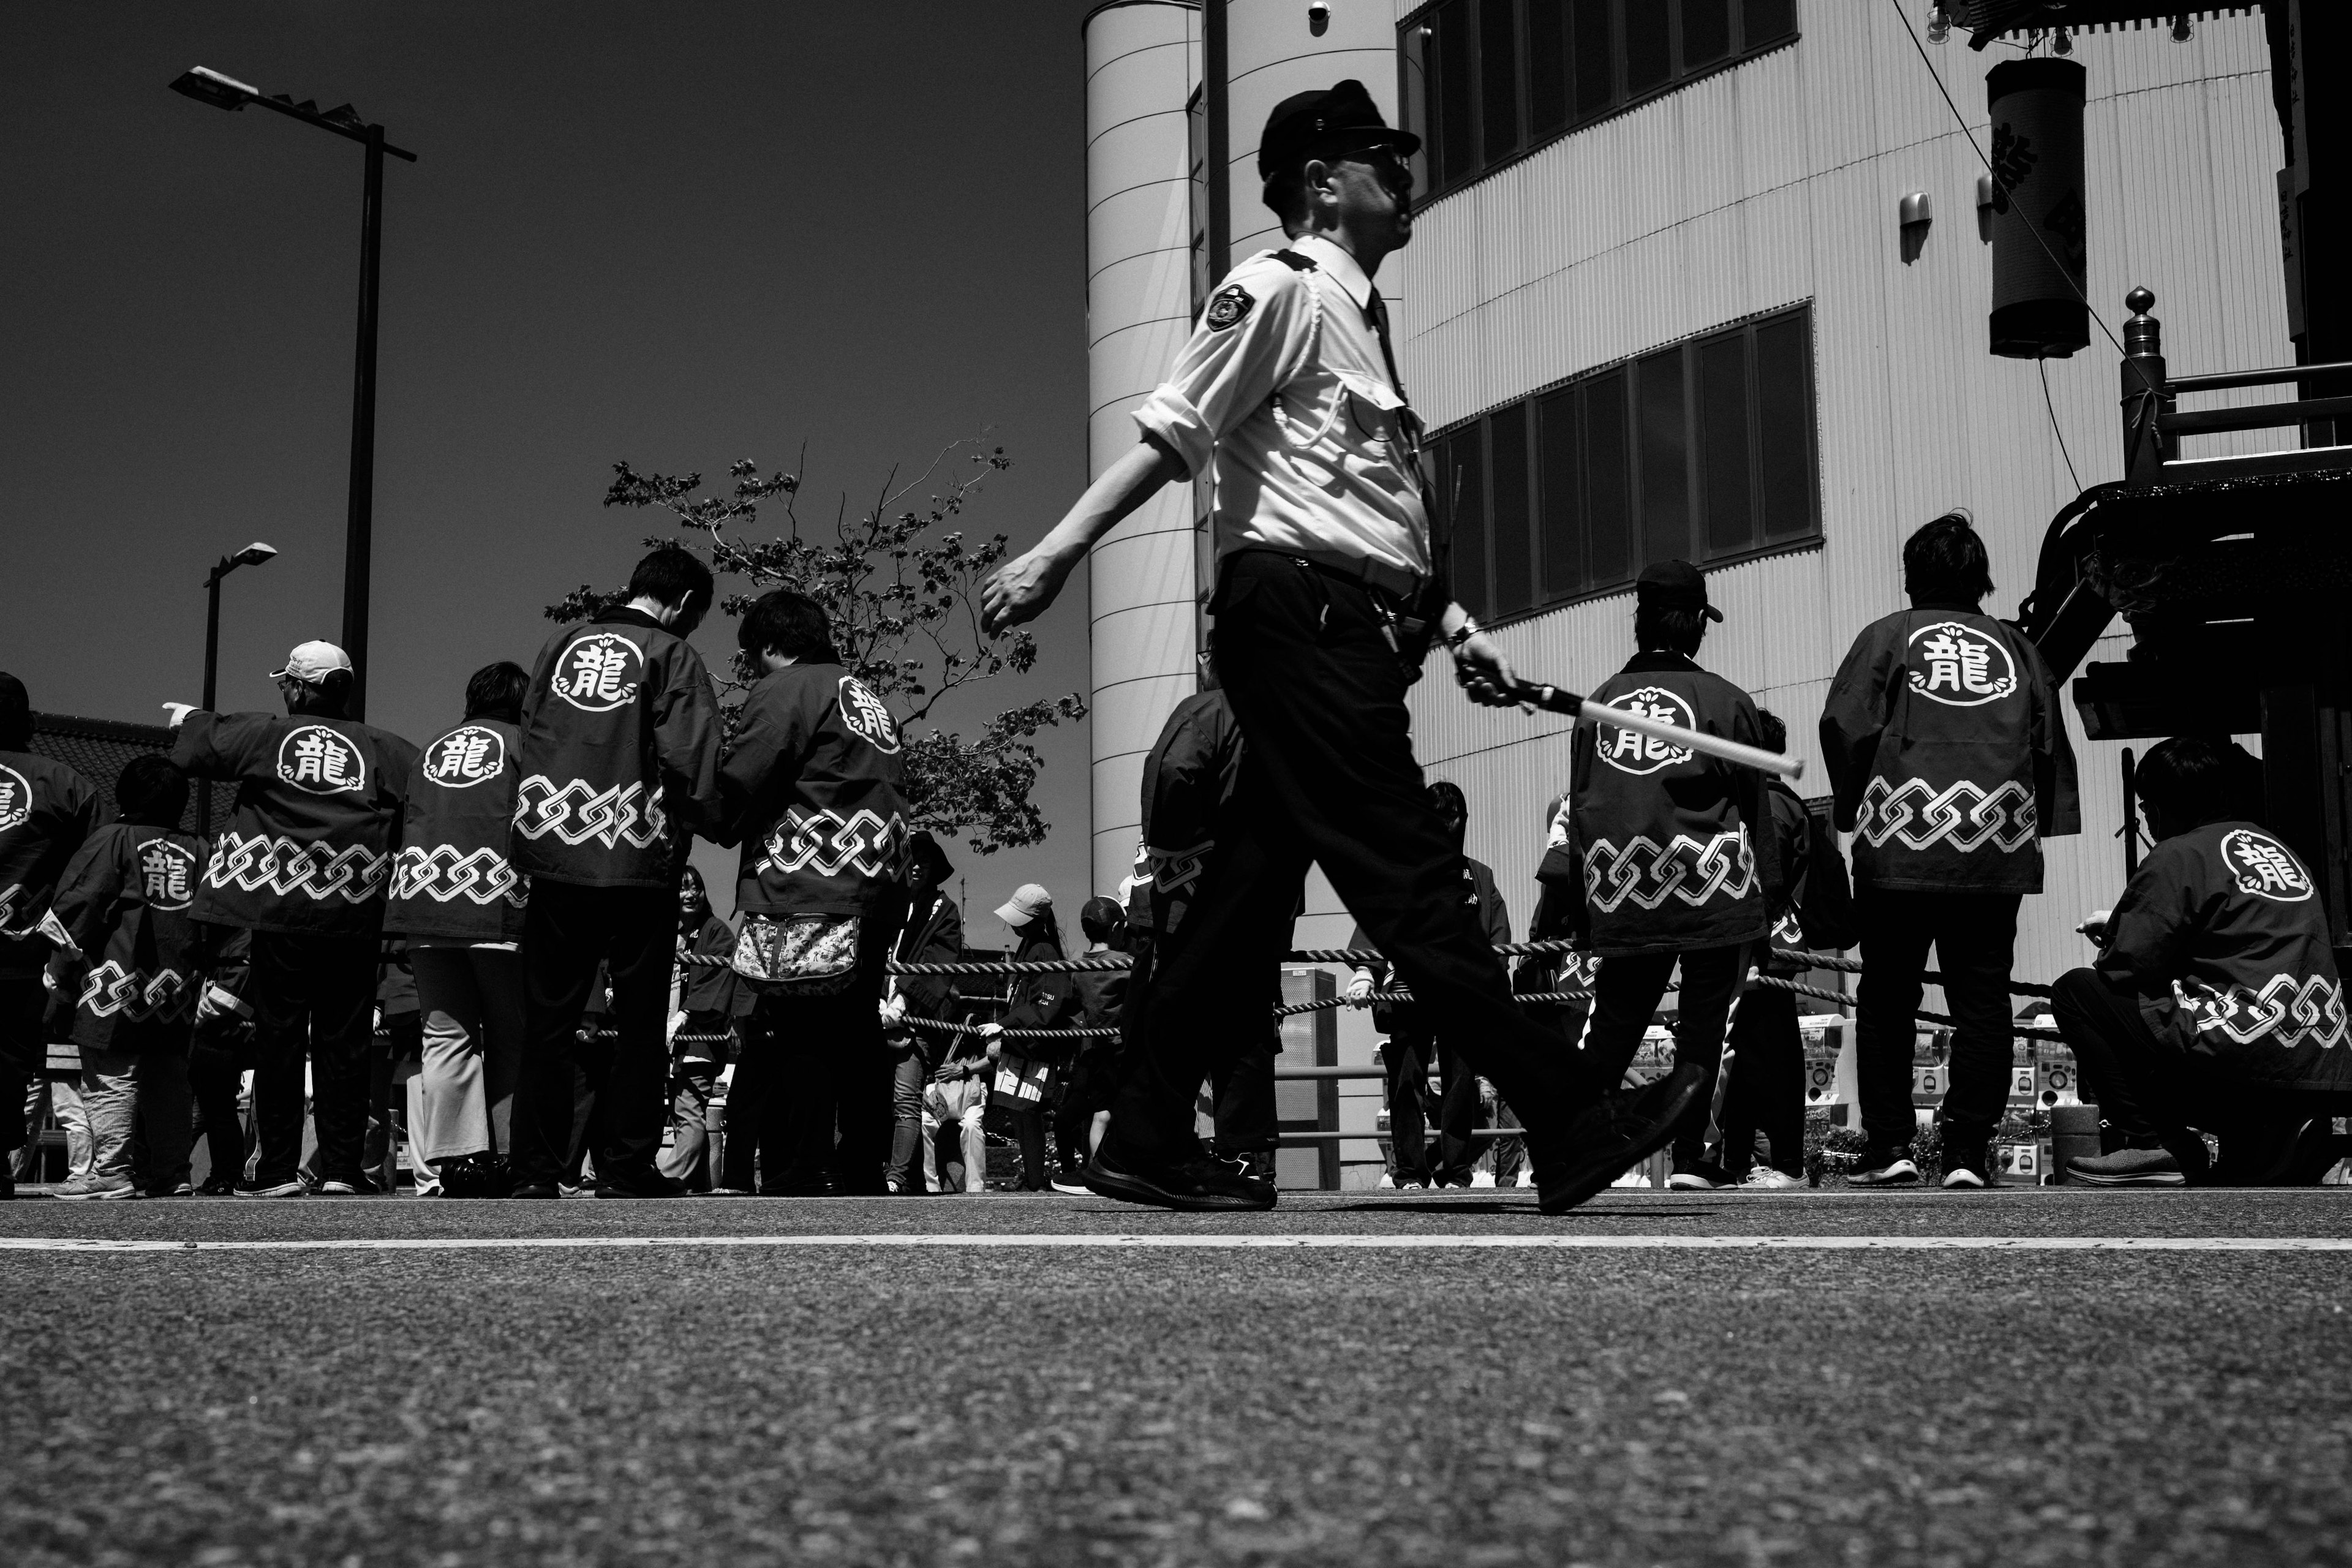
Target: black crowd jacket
[454, 877]
[812, 788]
[2222, 936]
[1671, 844]
[620, 755]
[46, 810]
[129, 948]
[1188, 786]
[308, 848]
[1947, 751]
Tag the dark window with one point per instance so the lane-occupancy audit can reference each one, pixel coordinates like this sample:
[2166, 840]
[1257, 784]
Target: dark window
[1784, 428]
[1665, 457]
[1536, 69]
[1508, 492]
[1456, 116]
[1498, 77]
[1559, 481]
[1649, 51]
[1700, 451]
[1596, 57]
[1463, 481]
[1607, 484]
[1706, 32]
[1548, 80]
[1723, 445]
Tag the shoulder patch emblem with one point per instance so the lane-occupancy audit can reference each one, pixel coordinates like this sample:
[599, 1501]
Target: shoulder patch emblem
[1231, 308]
[1960, 666]
[867, 716]
[2263, 867]
[1631, 750]
[16, 799]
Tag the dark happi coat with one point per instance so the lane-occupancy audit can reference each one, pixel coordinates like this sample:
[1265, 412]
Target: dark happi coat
[620, 755]
[1948, 754]
[129, 946]
[1188, 782]
[309, 845]
[2222, 935]
[454, 877]
[46, 810]
[1673, 846]
[812, 789]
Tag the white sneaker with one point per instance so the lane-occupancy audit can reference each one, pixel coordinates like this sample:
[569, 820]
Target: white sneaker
[1076, 1189]
[1482, 1178]
[1386, 1181]
[1765, 1179]
[94, 1187]
[1414, 1187]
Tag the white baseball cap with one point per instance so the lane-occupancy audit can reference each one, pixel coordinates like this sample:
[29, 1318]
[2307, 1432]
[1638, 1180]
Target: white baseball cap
[1028, 901]
[313, 662]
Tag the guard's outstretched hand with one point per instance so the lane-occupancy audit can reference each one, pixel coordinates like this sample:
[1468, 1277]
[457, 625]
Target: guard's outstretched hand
[1020, 590]
[1482, 671]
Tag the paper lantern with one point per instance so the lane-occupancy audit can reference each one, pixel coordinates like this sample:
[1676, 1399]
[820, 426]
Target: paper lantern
[2038, 217]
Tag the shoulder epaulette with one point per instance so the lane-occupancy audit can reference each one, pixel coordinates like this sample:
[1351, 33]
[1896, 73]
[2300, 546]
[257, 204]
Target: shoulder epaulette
[1294, 261]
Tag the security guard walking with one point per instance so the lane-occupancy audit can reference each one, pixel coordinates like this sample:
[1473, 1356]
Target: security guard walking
[1329, 589]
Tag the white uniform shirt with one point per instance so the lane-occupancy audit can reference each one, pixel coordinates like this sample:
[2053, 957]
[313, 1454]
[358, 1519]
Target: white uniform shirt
[1283, 385]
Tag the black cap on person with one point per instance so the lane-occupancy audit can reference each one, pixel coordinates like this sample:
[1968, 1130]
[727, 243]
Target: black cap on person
[1675, 585]
[1332, 119]
[924, 850]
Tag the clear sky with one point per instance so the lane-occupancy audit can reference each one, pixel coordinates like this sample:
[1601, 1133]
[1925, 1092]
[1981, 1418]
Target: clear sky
[677, 234]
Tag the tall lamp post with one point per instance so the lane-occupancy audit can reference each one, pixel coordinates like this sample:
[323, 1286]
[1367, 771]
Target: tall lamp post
[207, 86]
[253, 555]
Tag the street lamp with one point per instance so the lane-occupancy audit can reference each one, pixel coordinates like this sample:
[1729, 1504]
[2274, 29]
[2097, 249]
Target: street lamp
[208, 86]
[253, 555]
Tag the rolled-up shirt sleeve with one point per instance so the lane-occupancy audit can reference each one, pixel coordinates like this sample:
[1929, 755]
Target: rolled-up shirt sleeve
[1225, 373]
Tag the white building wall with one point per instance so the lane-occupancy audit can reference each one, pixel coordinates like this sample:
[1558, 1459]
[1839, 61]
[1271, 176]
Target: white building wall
[1778, 182]
[1143, 64]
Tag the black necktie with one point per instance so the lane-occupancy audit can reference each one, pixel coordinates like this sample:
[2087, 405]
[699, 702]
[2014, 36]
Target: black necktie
[1376, 311]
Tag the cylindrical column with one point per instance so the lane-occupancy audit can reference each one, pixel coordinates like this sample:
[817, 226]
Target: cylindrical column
[1142, 68]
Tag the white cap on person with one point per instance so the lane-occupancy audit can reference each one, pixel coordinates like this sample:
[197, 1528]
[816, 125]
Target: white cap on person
[313, 662]
[1028, 901]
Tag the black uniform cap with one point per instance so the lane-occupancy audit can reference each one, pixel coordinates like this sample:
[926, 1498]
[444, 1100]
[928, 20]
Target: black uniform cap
[1329, 119]
[1675, 585]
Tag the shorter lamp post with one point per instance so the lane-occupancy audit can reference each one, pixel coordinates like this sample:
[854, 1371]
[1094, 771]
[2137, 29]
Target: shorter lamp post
[253, 555]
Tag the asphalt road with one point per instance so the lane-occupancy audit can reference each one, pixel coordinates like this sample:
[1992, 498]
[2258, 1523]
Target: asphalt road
[1027, 1403]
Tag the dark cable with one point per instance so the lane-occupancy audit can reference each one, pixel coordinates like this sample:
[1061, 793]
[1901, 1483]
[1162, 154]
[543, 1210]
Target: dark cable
[2043, 366]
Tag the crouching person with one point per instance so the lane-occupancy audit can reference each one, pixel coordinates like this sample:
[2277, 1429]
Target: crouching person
[812, 792]
[2215, 1002]
[128, 952]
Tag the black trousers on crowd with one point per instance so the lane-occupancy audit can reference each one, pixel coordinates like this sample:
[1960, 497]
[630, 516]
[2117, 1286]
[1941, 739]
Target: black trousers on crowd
[1975, 939]
[1767, 1093]
[213, 1077]
[1327, 778]
[567, 931]
[24, 1054]
[821, 1093]
[311, 996]
[1623, 1000]
[1407, 1055]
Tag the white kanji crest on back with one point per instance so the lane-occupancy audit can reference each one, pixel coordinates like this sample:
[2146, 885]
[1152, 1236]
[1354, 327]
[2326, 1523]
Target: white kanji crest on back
[465, 757]
[319, 760]
[598, 671]
[867, 716]
[1631, 752]
[167, 874]
[2265, 866]
[1957, 665]
[16, 799]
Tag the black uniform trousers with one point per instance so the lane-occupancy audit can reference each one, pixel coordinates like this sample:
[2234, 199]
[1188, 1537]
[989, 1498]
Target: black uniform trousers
[1407, 1055]
[1975, 939]
[567, 929]
[24, 1054]
[1327, 778]
[1767, 1093]
[311, 996]
[1626, 996]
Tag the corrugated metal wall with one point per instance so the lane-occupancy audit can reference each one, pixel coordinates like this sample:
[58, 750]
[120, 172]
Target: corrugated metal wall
[1775, 182]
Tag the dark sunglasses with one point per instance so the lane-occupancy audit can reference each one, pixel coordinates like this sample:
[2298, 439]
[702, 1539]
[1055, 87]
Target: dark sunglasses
[1383, 159]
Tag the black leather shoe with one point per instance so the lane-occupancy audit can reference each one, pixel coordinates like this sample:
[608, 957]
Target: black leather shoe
[535, 1190]
[1617, 1134]
[1197, 1184]
[653, 1184]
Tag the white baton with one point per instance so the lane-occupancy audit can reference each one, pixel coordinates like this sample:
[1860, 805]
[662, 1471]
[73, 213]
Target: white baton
[1553, 699]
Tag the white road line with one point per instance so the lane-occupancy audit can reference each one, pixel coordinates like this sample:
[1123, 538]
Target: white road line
[1332, 1243]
